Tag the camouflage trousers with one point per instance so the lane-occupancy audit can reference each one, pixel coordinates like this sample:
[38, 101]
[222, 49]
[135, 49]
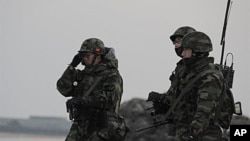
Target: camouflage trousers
[113, 131]
[213, 133]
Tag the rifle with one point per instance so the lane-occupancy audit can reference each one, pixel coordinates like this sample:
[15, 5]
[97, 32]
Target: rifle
[156, 124]
[164, 119]
[73, 110]
[154, 113]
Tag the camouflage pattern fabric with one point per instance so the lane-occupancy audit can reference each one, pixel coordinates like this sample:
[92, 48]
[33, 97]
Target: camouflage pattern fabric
[92, 45]
[181, 31]
[195, 114]
[100, 121]
[199, 42]
[177, 75]
[168, 97]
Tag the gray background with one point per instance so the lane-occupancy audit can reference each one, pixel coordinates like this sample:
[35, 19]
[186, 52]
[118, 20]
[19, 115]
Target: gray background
[38, 38]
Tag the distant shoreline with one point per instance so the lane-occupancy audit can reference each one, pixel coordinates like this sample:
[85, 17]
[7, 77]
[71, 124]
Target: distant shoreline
[23, 135]
[34, 127]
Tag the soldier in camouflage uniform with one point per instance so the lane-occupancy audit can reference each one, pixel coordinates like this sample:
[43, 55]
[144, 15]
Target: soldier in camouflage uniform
[96, 93]
[176, 38]
[194, 115]
[159, 100]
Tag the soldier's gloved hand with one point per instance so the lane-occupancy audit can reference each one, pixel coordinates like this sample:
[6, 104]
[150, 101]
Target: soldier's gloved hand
[195, 129]
[76, 101]
[76, 60]
[154, 96]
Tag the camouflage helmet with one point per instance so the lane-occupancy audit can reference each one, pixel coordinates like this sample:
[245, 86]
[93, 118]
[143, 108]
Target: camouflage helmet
[198, 42]
[92, 45]
[181, 32]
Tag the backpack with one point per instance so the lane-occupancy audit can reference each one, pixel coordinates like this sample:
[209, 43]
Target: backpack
[225, 110]
[226, 106]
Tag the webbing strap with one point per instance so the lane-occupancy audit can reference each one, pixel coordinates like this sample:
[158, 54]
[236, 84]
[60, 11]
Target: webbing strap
[183, 92]
[95, 83]
[93, 86]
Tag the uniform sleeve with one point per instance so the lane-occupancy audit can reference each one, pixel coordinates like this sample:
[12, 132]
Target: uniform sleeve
[65, 82]
[208, 96]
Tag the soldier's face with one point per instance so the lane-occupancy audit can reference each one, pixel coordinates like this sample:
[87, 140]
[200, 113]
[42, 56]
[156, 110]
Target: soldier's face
[177, 42]
[186, 53]
[90, 58]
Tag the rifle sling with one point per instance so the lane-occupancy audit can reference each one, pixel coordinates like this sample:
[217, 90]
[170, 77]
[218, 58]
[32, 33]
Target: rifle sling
[183, 92]
[93, 86]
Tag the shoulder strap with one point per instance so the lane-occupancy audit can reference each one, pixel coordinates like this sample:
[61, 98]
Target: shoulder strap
[96, 82]
[98, 79]
[184, 90]
[93, 86]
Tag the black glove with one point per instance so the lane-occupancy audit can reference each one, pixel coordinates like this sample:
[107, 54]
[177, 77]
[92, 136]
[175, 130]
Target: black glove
[76, 60]
[154, 96]
[76, 101]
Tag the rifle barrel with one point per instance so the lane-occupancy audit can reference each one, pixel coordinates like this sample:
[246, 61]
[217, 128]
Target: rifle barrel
[152, 126]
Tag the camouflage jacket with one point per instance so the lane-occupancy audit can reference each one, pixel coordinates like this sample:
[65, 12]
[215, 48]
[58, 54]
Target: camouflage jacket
[177, 76]
[107, 94]
[199, 103]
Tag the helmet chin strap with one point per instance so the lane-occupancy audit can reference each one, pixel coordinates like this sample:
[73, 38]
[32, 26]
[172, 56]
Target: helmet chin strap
[199, 54]
[93, 61]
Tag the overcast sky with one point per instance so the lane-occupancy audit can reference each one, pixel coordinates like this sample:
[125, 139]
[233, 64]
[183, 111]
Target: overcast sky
[38, 38]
